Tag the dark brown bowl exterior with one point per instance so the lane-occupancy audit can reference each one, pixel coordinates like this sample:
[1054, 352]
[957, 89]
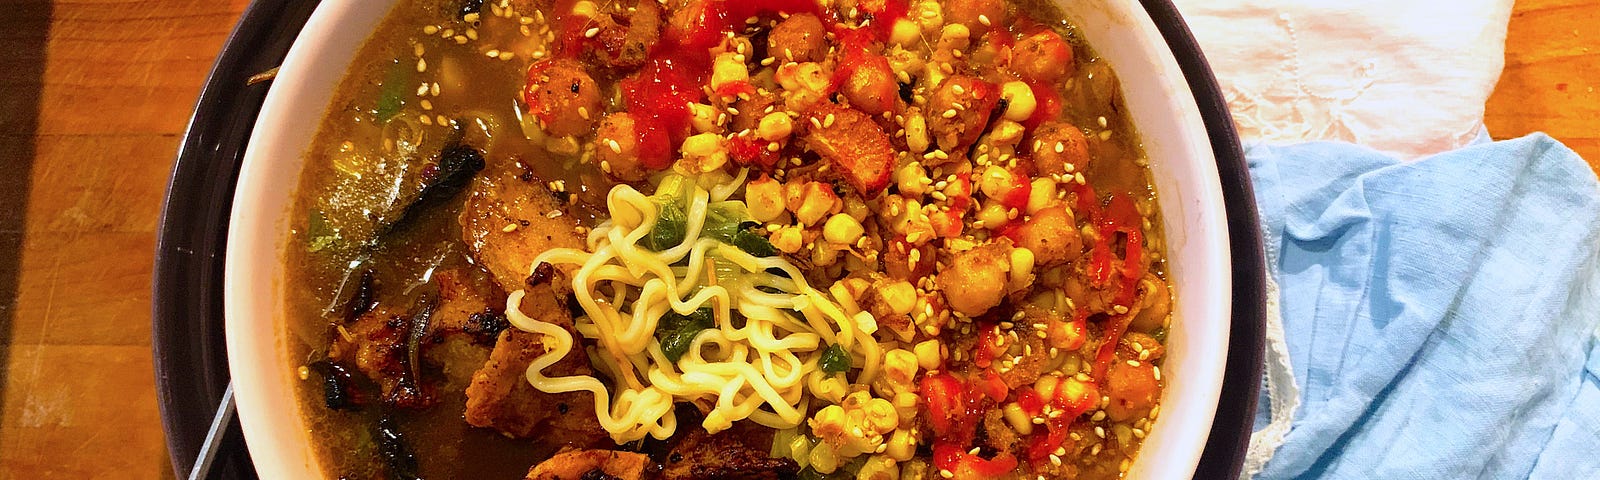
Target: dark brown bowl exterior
[190, 357]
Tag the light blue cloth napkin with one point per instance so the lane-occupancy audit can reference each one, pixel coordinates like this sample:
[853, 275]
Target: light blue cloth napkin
[1440, 316]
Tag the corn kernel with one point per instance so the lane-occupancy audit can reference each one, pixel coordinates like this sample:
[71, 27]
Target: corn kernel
[823, 459]
[910, 177]
[1020, 102]
[775, 126]
[1042, 194]
[996, 182]
[787, 239]
[900, 296]
[728, 70]
[704, 117]
[702, 145]
[816, 201]
[842, 229]
[905, 33]
[928, 354]
[1017, 418]
[764, 197]
[900, 367]
[879, 467]
[916, 132]
[1021, 265]
[994, 215]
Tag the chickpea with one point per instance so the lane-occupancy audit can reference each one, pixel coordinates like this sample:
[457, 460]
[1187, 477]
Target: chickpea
[563, 97]
[799, 38]
[1059, 148]
[1133, 390]
[1042, 57]
[1052, 234]
[978, 15]
[617, 146]
[976, 279]
[958, 110]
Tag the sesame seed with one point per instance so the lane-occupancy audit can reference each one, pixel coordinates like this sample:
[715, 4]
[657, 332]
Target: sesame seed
[472, 33]
[591, 32]
[470, 18]
[426, 105]
[583, 112]
[460, 39]
[615, 148]
[430, 29]
[422, 65]
[1101, 121]
[984, 19]
[951, 113]
[492, 53]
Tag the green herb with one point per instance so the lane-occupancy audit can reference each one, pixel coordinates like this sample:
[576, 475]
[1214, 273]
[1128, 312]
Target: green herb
[677, 332]
[392, 92]
[834, 359]
[320, 235]
[729, 223]
[671, 227]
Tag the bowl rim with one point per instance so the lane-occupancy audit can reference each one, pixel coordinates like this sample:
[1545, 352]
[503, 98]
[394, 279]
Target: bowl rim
[196, 211]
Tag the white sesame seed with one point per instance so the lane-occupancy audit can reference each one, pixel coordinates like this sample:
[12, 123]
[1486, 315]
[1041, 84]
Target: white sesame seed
[590, 33]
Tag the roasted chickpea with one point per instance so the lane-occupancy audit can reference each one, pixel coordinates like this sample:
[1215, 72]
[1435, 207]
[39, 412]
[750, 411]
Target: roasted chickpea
[1052, 234]
[617, 146]
[977, 15]
[1133, 390]
[799, 38]
[1059, 148]
[1042, 57]
[976, 279]
[563, 97]
[958, 110]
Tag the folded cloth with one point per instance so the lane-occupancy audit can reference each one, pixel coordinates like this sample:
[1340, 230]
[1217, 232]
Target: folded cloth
[1440, 316]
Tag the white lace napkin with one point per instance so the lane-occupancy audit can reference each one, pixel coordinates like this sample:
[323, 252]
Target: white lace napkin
[1407, 77]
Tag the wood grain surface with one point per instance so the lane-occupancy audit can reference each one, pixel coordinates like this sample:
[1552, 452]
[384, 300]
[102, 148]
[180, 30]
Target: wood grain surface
[94, 96]
[1551, 81]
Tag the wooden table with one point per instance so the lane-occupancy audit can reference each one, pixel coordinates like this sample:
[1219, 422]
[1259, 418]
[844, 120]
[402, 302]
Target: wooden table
[94, 95]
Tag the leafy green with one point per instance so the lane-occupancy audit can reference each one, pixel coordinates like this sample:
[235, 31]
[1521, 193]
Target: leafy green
[677, 332]
[729, 223]
[672, 225]
[834, 359]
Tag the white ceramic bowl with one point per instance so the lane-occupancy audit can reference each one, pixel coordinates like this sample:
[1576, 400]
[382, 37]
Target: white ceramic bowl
[1157, 97]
